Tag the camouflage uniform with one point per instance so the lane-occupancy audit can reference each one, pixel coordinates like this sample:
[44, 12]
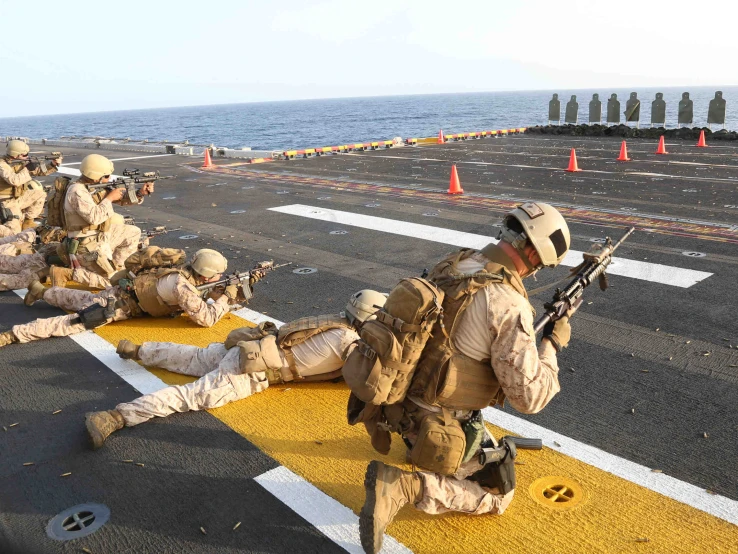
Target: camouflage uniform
[175, 289]
[114, 245]
[496, 326]
[23, 196]
[9, 245]
[221, 378]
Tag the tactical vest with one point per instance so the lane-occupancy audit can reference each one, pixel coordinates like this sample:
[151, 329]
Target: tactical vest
[298, 331]
[148, 298]
[73, 222]
[444, 376]
[7, 190]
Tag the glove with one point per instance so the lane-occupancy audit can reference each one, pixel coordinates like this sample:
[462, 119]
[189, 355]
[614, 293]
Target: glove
[231, 291]
[558, 332]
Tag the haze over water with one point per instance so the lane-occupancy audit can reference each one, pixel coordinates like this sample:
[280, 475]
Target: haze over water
[315, 123]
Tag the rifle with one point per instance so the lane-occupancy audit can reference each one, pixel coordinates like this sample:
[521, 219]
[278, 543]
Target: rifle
[508, 443]
[243, 279]
[37, 159]
[593, 267]
[158, 230]
[131, 178]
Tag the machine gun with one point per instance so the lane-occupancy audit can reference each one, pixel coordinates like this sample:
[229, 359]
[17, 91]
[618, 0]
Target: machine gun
[244, 280]
[131, 178]
[593, 267]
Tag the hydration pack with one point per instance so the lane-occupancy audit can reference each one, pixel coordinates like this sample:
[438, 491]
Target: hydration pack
[153, 257]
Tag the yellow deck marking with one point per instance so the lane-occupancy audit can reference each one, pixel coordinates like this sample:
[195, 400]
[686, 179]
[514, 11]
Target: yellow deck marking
[304, 428]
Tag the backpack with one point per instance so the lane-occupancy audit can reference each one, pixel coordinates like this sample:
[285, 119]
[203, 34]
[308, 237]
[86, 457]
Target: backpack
[380, 369]
[55, 206]
[153, 257]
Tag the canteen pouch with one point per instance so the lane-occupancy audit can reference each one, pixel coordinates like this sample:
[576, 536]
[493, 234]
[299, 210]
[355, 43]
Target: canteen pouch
[499, 476]
[440, 444]
[364, 371]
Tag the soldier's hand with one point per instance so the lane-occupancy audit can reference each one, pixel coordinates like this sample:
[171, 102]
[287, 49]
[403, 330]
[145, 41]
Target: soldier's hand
[147, 189]
[57, 161]
[115, 195]
[558, 332]
[231, 291]
[256, 275]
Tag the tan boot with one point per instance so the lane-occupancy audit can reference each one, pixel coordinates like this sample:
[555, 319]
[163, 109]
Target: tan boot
[128, 350]
[100, 425]
[35, 292]
[60, 275]
[387, 490]
[43, 274]
[7, 338]
[28, 224]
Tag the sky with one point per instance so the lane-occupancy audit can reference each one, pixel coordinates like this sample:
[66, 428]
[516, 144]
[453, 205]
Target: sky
[86, 56]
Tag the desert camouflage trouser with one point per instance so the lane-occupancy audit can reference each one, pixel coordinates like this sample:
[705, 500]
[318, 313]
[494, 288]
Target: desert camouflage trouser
[30, 205]
[457, 494]
[221, 380]
[64, 325]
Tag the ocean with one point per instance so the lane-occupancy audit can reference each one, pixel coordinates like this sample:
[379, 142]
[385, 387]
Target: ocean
[316, 123]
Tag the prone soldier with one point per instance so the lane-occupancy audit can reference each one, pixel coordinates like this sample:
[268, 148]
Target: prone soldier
[21, 197]
[481, 350]
[305, 350]
[157, 292]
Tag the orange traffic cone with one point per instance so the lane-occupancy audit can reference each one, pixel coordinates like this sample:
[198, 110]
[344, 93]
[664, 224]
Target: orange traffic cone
[573, 162]
[623, 157]
[441, 140]
[208, 162]
[701, 143]
[454, 186]
[662, 146]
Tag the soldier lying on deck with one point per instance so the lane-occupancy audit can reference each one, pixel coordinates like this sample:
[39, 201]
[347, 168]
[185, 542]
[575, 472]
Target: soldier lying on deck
[307, 349]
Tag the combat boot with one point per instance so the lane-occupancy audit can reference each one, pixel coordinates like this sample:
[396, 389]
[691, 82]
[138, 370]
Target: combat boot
[60, 275]
[387, 490]
[7, 338]
[128, 350]
[35, 292]
[100, 425]
[29, 224]
[43, 274]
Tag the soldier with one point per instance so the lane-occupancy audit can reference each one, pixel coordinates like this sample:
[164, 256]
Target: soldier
[157, 292]
[491, 338]
[21, 198]
[32, 259]
[98, 242]
[305, 350]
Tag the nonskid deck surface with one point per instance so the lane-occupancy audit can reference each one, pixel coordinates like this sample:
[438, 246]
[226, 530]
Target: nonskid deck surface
[652, 368]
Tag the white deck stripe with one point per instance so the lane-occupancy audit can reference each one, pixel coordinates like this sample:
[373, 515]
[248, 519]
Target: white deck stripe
[330, 517]
[656, 273]
[716, 505]
[125, 159]
[334, 520]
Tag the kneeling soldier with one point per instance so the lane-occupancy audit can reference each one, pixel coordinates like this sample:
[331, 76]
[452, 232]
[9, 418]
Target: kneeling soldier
[157, 292]
[481, 351]
[305, 350]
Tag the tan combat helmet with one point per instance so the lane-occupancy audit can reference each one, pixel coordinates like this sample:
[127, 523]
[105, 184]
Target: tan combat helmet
[543, 226]
[16, 148]
[96, 167]
[208, 263]
[364, 304]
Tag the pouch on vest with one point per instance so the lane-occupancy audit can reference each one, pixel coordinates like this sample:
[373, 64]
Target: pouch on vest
[246, 334]
[55, 204]
[467, 384]
[440, 444]
[380, 369]
[153, 257]
[499, 472]
[261, 356]
[475, 431]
